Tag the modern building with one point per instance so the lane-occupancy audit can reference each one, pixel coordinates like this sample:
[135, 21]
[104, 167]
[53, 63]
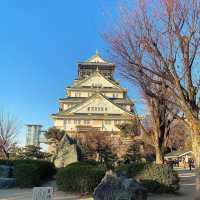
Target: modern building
[95, 101]
[35, 135]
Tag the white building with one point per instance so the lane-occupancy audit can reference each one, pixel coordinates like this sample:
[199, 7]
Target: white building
[94, 101]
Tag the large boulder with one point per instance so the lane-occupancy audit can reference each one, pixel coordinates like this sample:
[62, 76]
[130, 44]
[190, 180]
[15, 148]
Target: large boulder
[6, 171]
[6, 180]
[63, 152]
[66, 155]
[113, 187]
[7, 183]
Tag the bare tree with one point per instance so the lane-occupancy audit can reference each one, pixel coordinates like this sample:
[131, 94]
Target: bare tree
[159, 122]
[179, 137]
[8, 132]
[101, 147]
[160, 40]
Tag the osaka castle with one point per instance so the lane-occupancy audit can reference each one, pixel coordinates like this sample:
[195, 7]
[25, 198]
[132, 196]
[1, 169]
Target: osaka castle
[95, 101]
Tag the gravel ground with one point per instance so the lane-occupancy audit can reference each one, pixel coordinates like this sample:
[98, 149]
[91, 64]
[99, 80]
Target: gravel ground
[187, 188]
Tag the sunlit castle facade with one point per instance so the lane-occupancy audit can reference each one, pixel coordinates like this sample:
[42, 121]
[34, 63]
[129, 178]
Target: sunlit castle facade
[95, 101]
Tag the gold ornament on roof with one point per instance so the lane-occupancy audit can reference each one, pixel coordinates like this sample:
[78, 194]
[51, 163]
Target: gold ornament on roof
[96, 58]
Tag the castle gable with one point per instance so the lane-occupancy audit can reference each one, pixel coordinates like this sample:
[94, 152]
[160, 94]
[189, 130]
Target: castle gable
[97, 104]
[97, 80]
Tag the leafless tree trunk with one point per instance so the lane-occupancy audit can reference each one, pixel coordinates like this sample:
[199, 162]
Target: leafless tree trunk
[159, 124]
[160, 40]
[8, 132]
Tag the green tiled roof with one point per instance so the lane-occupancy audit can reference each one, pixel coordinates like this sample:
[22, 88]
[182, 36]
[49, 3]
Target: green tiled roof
[86, 99]
[178, 153]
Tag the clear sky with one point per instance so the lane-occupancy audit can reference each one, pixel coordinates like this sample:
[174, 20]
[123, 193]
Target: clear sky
[41, 42]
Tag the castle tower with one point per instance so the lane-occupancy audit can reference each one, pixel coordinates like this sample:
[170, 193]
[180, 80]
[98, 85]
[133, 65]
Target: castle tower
[95, 101]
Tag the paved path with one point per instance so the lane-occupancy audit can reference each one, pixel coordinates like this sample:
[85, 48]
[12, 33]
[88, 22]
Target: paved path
[187, 188]
[26, 194]
[186, 191]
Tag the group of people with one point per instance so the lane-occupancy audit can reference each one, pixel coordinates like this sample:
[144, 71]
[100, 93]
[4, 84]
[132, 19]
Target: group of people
[185, 162]
[188, 162]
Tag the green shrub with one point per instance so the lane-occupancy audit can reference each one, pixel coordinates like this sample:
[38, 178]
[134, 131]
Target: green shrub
[46, 169]
[79, 177]
[36, 171]
[6, 162]
[130, 170]
[156, 178]
[160, 178]
[27, 175]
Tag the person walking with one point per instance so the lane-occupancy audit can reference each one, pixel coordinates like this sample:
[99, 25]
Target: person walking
[190, 164]
[186, 161]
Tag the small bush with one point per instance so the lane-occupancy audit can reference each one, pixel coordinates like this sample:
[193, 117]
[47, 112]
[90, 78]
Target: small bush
[160, 178]
[156, 178]
[27, 175]
[36, 172]
[131, 170]
[46, 169]
[6, 162]
[79, 177]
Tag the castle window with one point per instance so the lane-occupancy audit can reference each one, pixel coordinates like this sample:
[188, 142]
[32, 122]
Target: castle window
[86, 122]
[65, 124]
[96, 85]
[88, 108]
[115, 95]
[116, 122]
[77, 121]
[107, 122]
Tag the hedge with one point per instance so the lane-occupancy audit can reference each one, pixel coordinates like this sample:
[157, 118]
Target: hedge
[156, 178]
[46, 169]
[27, 175]
[79, 177]
[6, 162]
[36, 171]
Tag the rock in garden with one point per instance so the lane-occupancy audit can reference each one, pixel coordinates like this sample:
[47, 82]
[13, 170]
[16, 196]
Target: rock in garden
[5, 171]
[6, 180]
[7, 183]
[66, 155]
[113, 187]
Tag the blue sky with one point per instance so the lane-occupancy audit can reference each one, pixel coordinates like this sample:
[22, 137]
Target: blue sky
[40, 44]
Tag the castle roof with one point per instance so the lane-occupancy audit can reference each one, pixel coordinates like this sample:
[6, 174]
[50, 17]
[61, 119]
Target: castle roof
[79, 108]
[81, 99]
[96, 59]
[97, 74]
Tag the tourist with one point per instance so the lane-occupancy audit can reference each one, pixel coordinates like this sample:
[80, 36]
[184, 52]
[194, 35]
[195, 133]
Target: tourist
[190, 164]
